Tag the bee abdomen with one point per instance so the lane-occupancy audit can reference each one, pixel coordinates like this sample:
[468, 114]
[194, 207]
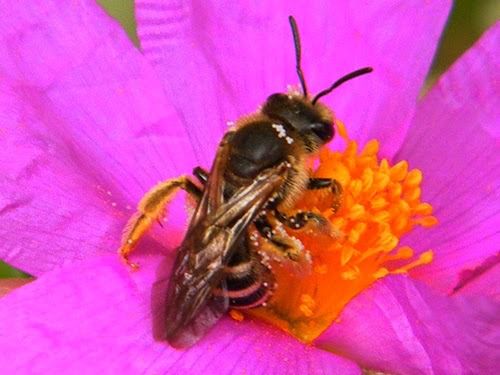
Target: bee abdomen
[254, 299]
[248, 284]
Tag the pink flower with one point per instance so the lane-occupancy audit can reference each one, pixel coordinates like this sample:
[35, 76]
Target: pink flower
[88, 123]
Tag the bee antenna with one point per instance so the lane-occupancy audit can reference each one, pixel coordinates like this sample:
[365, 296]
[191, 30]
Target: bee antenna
[296, 42]
[340, 81]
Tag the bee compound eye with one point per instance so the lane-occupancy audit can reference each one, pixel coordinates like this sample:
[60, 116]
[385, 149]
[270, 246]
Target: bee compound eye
[276, 105]
[277, 99]
[324, 130]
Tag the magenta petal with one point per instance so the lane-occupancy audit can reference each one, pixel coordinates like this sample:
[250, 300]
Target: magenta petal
[95, 317]
[219, 62]
[400, 326]
[454, 140]
[86, 130]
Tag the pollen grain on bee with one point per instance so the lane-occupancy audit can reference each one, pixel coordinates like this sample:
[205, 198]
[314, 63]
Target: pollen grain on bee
[281, 131]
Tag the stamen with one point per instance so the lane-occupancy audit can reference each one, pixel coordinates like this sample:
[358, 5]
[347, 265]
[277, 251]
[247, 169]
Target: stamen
[424, 258]
[380, 273]
[236, 315]
[404, 252]
[379, 204]
[321, 269]
[346, 255]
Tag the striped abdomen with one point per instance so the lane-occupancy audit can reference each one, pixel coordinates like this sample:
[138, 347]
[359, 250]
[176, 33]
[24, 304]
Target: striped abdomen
[247, 282]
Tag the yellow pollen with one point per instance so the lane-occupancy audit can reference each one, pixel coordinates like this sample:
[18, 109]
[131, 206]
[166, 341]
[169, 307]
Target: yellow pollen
[379, 204]
[321, 269]
[236, 315]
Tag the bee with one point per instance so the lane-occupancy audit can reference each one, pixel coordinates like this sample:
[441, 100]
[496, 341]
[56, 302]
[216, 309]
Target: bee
[242, 205]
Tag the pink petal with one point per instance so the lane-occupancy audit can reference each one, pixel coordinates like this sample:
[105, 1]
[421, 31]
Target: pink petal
[86, 131]
[400, 326]
[455, 142]
[95, 317]
[220, 62]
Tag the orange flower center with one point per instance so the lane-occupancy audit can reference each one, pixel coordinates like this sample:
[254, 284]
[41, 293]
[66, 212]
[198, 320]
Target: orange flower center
[378, 205]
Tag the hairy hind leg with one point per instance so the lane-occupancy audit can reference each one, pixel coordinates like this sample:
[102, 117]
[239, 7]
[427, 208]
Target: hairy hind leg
[150, 209]
[278, 244]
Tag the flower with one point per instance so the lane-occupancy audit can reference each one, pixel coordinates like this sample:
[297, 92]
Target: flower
[88, 124]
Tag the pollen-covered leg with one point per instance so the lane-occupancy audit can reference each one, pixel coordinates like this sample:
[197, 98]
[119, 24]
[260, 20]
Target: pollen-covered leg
[151, 208]
[279, 245]
[300, 219]
[312, 222]
[327, 183]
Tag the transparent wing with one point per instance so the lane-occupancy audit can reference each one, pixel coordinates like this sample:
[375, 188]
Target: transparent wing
[192, 309]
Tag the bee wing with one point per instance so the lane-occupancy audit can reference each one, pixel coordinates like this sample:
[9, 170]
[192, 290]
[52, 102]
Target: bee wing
[213, 193]
[191, 307]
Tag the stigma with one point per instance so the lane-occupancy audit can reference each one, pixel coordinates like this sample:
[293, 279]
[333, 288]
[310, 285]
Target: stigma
[379, 204]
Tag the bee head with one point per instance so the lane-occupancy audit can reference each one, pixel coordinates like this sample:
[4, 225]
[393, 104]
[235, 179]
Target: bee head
[311, 119]
[314, 122]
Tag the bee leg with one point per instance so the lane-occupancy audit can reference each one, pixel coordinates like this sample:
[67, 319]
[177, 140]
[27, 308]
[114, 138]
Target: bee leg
[324, 183]
[300, 219]
[281, 242]
[327, 183]
[151, 208]
[201, 175]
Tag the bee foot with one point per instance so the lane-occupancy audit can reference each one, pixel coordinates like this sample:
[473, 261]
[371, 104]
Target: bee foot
[133, 266]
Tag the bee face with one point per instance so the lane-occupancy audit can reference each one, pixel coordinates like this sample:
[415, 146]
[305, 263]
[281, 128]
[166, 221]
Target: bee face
[314, 122]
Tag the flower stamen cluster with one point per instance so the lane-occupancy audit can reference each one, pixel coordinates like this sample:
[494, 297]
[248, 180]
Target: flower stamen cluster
[379, 204]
